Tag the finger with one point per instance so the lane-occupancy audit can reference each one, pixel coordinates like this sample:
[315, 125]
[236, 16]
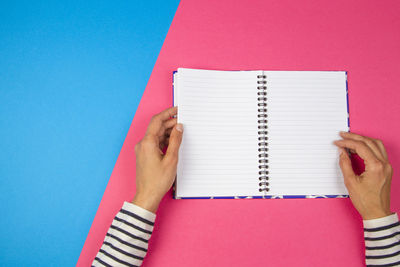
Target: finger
[381, 148]
[345, 166]
[168, 124]
[361, 149]
[174, 143]
[157, 121]
[155, 126]
[167, 113]
[368, 141]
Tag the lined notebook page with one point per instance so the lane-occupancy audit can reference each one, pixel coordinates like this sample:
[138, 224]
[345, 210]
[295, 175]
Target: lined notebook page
[306, 110]
[218, 154]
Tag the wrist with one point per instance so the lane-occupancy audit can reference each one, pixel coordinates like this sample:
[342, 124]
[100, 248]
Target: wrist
[147, 201]
[376, 214]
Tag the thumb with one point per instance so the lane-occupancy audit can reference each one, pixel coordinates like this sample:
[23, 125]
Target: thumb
[175, 140]
[345, 166]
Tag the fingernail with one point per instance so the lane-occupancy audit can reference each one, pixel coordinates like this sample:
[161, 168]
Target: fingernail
[179, 127]
[341, 151]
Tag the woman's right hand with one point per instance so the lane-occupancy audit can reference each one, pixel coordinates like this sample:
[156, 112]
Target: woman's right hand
[370, 191]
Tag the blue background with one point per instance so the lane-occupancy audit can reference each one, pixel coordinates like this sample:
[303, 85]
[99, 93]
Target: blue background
[71, 77]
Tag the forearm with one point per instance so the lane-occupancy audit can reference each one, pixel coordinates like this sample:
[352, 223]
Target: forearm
[127, 238]
[382, 241]
[126, 241]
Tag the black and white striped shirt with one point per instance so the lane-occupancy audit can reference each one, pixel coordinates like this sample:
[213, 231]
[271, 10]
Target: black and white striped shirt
[382, 241]
[126, 242]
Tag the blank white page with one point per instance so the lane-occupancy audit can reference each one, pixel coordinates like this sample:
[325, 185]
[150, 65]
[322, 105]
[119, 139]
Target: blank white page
[306, 110]
[218, 155]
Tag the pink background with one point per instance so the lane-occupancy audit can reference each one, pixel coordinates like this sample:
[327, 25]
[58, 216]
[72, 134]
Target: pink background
[362, 37]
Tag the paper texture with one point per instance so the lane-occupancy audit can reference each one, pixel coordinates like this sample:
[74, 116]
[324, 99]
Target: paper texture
[219, 151]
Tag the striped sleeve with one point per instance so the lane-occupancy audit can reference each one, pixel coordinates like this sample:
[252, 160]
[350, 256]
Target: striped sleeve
[382, 241]
[126, 241]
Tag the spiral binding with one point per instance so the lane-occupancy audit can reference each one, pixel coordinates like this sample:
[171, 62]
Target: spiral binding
[262, 119]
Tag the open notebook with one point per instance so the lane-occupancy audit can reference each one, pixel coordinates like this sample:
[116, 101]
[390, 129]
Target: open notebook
[260, 134]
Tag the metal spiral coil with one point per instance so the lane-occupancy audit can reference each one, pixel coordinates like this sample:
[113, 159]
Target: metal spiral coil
[262, 120]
